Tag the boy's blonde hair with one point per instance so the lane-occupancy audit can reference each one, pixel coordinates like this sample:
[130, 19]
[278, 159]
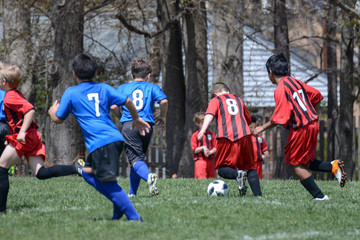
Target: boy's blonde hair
[199, 117]
[11, 73]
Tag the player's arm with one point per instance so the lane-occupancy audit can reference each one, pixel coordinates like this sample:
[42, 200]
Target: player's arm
[136, 120]
[263, 127]
[52, 112]
[28, 118]
[200, 149]
[207, 120]
[116, 111]
[161, 119]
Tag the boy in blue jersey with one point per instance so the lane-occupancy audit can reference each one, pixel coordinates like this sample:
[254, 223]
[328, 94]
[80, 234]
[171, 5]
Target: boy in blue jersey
[143, 94]
[90, 103]
[4, 129]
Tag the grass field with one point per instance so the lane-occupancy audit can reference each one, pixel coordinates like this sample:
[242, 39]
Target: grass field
[68, 208]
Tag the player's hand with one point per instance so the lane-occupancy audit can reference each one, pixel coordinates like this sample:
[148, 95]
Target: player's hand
[160, 121]
[206, 152]
[21, 137]
[54, 108]
[143, 126]
[200, 135]
[257, 130]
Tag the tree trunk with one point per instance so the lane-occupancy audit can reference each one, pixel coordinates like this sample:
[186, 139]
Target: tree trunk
[17, 38]
[196, 78]
[281, 41]
[66, 140]
[347, 92]
[331, 70]
[173, 84]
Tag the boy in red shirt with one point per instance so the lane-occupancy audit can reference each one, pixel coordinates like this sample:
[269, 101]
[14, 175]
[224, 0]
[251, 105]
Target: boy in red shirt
[234, 152]
[25, 139]
[204, 150]
[295, 109]
[260, 148]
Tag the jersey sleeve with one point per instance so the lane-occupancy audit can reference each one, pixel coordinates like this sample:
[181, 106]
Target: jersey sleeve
[65, 106]
[313, 94]
[247, 115]
[213, 107]
[115, 97]
[158, 94]
[17, 103]
[282, 110]
[194, 141]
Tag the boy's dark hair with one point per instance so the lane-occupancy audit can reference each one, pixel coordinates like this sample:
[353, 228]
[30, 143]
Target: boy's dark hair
[219, 87]
[199, 117]
[84, 66]
[140, 68]
[278, 64]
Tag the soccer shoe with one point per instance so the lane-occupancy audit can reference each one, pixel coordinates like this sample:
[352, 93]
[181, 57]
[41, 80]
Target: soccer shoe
[3, 212]
[323, 198]
[241, 180]
[339, 172]
[152, 178]
[131, 195]
[79, 164]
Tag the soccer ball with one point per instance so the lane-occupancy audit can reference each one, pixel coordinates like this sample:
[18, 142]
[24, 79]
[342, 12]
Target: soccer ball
[218, 188]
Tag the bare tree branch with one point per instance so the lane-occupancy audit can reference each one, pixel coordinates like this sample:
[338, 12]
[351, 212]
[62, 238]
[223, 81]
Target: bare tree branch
[345, 7]
[134, 29]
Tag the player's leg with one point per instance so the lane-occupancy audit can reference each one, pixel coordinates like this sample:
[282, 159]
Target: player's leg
[36, 164]
[200, 169]
[336, 167]
[134, 182]
[8, 158]
[308, 182]
[253, 180]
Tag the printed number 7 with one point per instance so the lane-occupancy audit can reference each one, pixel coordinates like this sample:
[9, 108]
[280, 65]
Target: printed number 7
[299, 100]
[95, 97]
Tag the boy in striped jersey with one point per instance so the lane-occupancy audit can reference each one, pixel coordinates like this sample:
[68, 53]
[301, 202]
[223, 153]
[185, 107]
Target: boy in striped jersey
[204, 150]
[295, 109]
[234, 158]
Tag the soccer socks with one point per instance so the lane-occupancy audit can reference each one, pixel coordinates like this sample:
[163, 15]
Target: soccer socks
[93, 181]
[321, 166]
[254, 182]
[142, 170]
[312, 188]
[121, 200]
[56, 171]
[4, 189]
[227, 172]
[134, 181]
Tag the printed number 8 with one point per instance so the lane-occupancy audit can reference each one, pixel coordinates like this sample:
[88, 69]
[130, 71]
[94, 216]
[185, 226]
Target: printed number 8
[138, 100]
[232, 106]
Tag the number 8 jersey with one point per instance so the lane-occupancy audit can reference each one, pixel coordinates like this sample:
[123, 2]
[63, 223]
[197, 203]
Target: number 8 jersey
[232, 116]
[295, 103]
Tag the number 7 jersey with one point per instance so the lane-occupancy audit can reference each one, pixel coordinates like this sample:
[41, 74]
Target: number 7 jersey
[295, 103]
[232, 116]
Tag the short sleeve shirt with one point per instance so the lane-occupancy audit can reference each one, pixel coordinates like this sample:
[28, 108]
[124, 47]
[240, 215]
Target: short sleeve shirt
[143, 94]
[232, 116]
[90, 103]
[295, 103]
[208, 140]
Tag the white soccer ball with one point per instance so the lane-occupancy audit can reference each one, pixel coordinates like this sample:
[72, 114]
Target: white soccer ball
[218, 188]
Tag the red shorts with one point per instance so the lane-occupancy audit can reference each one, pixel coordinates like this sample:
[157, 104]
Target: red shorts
[301, 144]
[204, 168]
[238, 155]
[32, 146]
[258, 168]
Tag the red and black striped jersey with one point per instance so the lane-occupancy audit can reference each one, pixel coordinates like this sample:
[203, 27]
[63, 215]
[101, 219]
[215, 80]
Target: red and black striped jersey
[295, 103]
[232, 116]
[15, 107]
[259, 147]
[208, 140]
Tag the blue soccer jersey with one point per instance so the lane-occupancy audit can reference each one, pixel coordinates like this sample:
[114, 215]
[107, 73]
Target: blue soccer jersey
[2, 95]
[90, 103]
[143, 94]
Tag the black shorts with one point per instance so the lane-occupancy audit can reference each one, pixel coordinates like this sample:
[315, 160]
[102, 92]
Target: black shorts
[4, 130]
[135, 144]
[105, 160]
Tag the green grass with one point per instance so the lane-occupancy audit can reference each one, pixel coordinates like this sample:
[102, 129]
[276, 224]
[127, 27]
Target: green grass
[68, 208]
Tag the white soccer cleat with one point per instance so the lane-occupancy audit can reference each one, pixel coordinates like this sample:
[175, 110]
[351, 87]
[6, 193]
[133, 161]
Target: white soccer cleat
[323, 198]
[241, 180]
[152, 178]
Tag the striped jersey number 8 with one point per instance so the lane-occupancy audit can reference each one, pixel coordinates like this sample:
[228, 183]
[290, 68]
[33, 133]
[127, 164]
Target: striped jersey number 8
[138, 99]
[232, 106]
[95, 97]
[300, 100]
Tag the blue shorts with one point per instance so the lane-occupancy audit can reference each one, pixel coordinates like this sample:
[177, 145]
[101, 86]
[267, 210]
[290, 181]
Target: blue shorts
[135, 144]
[104, 161]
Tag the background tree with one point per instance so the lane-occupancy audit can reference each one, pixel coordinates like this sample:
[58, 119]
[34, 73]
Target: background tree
[65, 140]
